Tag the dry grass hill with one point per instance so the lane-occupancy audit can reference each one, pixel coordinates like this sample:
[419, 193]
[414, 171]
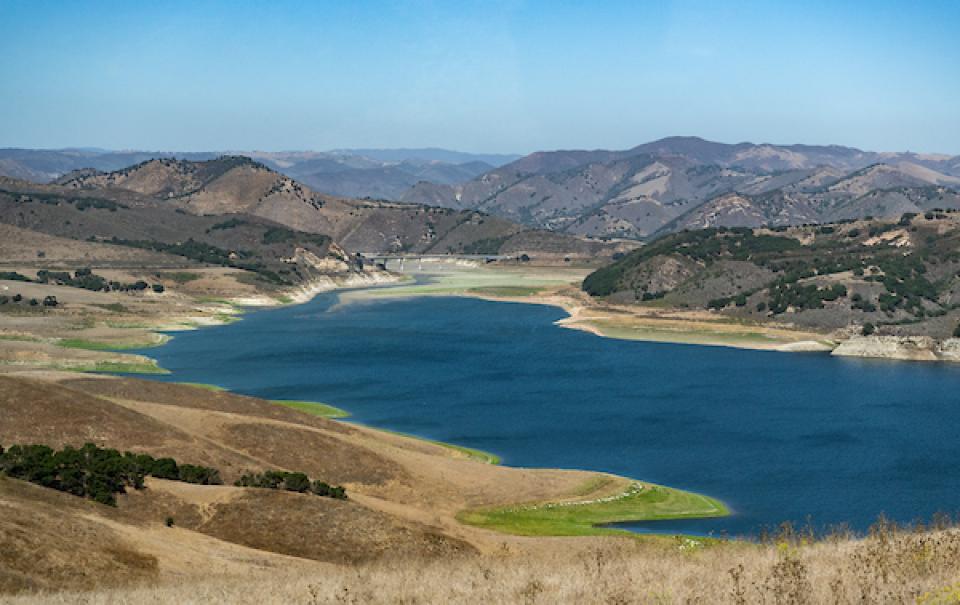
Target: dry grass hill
[395, 539]
[233, 185]
[404, 494]
[354, 173]
[687, 182]
[863, 282]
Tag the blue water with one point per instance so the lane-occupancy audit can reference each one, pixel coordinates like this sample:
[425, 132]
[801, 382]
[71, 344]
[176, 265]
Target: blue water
[798, 437]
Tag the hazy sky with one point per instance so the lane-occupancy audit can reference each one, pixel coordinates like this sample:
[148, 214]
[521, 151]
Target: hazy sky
[496, 76]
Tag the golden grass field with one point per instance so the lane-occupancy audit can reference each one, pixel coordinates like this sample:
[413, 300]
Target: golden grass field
[888, 567]
[424, 523]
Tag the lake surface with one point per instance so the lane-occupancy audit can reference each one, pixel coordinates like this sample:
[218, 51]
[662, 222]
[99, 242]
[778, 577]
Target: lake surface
[776, 436]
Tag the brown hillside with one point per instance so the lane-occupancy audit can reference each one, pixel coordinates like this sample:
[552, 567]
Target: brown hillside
[403, 493]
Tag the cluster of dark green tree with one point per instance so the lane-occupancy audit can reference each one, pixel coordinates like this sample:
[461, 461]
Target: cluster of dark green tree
[904, 278]
[88, 280]
[834, 250]
[281, 235]
[18, 299]
[13, 276]
[206, 253]
[705, 246]
[800, 297]
[95, 472]
[740, 300]
[293, 482]
[81, 203]
[275, 235]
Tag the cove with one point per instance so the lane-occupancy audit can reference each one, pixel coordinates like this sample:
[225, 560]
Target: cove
[779, 437]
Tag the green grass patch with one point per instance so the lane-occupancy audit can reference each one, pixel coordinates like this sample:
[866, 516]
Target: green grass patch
[309, 407]
[216, 300]
[478, 281]
[121, 367]
[203, 385]
[284, 299]
[314, 408]
[584, 518]
[614, 329]
[19, 338]
[506, 291]
[180, 277]
[112, 307]
[469, 452]
[94, 345]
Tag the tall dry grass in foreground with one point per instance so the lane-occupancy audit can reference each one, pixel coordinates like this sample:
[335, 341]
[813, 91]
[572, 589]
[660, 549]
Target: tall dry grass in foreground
[889, 566]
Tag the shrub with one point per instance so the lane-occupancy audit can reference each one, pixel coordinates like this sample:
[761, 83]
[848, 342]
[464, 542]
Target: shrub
[293, 482]
[868, 329]
[200, 475]
[90, 472]
[13, 276]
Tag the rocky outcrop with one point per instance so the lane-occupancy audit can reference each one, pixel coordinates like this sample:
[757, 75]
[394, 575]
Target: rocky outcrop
[913, 348]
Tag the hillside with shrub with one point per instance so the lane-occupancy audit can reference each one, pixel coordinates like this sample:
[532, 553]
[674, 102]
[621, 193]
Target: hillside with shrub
[896, 277]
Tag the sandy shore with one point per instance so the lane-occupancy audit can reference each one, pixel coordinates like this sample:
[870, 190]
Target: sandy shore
[89, 330]
[557, 287]
[680, 327]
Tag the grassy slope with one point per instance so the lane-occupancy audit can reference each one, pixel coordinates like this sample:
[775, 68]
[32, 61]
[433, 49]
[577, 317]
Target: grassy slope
[93, 345]
[468, 452]
[112, 367]
[479, 281]
[328, 411]
[315, 408]
[651, 502]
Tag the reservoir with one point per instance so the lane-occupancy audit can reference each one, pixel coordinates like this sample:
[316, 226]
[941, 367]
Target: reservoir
[805, 438]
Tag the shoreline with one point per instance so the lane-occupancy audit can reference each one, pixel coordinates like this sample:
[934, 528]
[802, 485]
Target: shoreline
[625, 323]
[591, 517]
[552, 286]
[701, 328]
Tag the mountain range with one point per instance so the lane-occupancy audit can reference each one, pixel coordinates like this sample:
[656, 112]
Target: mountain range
[655, 188]
[236, 211]
[687, 182]
[358, 173]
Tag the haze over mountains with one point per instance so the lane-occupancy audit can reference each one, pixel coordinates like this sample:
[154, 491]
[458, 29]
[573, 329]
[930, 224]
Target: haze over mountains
[687, 182]
[374, 173]
[659, 187]
[239, 212]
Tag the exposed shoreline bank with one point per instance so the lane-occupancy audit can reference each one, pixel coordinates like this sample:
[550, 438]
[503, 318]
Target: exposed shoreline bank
[587, 513]
[703, 328]
[549, 287]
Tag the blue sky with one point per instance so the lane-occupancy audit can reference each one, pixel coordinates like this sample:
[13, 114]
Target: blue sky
[496, 76]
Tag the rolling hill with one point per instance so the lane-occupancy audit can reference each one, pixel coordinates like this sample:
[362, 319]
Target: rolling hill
[882, 277]
[687, 182]
[156, 199]
[358, 173]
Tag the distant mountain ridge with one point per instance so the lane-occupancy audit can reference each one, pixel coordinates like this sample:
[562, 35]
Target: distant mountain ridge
[654, 188]
[239, 185]
[431, 154]
[688, 182]
[374, 173]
